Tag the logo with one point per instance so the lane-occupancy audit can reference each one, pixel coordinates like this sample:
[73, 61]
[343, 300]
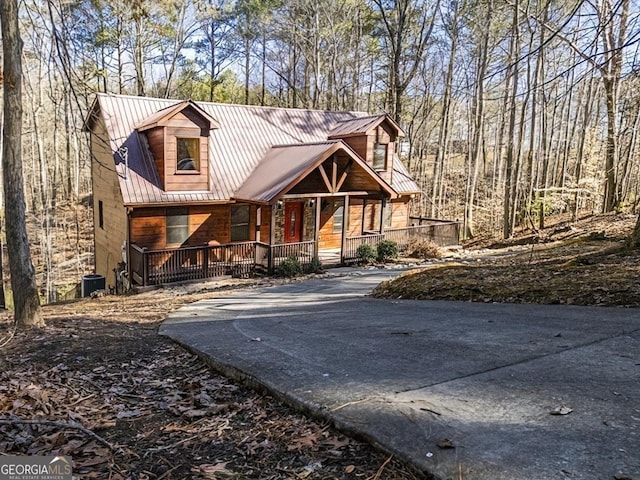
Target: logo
[35, 468]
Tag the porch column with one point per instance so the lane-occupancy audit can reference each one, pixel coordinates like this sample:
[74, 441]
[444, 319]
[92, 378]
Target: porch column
[258, 222]
[316, 230]
[364, 215]
[345, 226]
[383, 203]
[272, 229]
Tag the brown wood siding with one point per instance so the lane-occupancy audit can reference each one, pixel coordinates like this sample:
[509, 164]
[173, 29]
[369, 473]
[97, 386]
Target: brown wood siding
[372, 216]
[265, 225]
[329, 238]
[108, 241]
[355, 217]
[188, 118]
[149, 228]
[400, 213]
[360, 145]
[176, 181]
[206, 224]
[155, 137]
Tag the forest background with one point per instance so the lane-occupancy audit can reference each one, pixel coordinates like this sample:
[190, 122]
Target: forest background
[514, 110]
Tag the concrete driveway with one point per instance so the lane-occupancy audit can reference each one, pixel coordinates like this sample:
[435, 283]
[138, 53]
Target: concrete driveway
[461, 390]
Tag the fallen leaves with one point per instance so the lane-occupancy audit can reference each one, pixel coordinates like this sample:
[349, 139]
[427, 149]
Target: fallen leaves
[562, 410]
[124, 404]
[541, 276]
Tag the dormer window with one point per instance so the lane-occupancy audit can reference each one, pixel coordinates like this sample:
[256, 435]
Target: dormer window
[178, 139]
[188, 155]
[380, 156]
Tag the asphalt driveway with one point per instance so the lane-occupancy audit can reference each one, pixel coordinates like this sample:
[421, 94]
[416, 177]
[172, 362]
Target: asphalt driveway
[461, 390]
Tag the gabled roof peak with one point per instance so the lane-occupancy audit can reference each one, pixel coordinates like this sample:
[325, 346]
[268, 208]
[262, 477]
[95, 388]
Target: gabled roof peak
[160, 117]
[362, 126]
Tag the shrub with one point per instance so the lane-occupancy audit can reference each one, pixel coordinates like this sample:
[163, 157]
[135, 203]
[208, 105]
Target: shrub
[315, 266]
[366, 253]
[423, 249]
[387, 249]
[290, 267]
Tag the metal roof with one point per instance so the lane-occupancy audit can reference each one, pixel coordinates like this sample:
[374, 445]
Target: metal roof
[161, 116]
[246, 135]
[285, 165]
[362, 125]
[402, 181]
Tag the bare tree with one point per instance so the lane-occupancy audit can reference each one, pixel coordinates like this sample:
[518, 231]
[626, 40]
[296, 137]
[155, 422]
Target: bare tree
[407, 26]
[23, 279]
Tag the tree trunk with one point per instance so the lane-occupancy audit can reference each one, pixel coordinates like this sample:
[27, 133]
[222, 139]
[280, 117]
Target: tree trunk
[634, 241]
[478, 123]
[23, 280]
[611, 151]
[514, 53]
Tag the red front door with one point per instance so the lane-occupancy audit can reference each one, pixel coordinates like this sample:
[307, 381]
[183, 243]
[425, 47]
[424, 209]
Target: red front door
[292, 222]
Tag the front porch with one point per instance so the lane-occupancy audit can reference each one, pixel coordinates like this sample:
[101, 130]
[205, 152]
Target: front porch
[170, 265]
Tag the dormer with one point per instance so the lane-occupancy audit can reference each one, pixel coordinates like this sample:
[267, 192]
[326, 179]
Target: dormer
[374, 138]
[178, 138]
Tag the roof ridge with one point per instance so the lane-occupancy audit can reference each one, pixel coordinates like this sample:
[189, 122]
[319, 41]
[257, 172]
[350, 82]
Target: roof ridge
[239, 105]
[363, 118]
[306, 144]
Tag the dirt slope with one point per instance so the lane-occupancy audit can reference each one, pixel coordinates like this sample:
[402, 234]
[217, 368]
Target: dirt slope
[584, 263]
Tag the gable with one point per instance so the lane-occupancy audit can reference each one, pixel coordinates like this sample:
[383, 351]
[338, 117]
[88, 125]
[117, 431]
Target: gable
[323, 167]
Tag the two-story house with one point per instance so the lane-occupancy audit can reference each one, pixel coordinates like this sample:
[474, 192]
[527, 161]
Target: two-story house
[186, 190]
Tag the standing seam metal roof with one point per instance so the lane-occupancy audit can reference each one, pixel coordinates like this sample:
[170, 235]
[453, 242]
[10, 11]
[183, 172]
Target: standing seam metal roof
[245, 136]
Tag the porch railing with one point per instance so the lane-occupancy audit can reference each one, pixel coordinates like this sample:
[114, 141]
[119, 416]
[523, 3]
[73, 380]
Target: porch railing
[441, 233]
[304, 252]
[154, 267]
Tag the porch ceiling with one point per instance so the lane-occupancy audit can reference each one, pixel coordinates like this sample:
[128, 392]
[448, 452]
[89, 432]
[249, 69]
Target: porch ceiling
[285, 166]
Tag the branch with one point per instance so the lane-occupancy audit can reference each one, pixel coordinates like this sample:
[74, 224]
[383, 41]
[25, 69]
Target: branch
[58, 424]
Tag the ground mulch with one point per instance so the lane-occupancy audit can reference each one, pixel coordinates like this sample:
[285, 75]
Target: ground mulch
[100, 385]
[576, 264]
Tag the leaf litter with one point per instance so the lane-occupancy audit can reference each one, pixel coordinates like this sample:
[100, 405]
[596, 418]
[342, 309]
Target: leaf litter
[98, 384]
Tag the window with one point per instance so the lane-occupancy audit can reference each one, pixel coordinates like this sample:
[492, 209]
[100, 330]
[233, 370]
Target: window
[338, 219]
[177, 226]
[100, 215]
[380, 156]
[240, 223]
[188, 154]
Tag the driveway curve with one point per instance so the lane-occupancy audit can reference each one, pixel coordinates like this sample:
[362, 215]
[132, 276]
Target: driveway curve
[460, 390]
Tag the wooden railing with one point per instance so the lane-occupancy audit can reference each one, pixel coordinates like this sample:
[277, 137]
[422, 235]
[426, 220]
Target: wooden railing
[441, 233]
[154, 267]
[304, 252]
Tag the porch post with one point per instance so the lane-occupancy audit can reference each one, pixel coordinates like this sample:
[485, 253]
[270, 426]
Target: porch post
[258, 222]
[345, 226]
[364, 215]
[316, 231]
[145, 267]
[383, 203]
[272, 228]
